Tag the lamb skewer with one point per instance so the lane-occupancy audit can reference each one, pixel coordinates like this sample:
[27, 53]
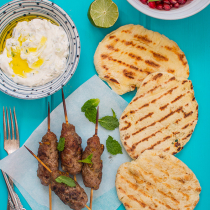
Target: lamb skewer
[74, 197]
[92, 173]
[72, 152]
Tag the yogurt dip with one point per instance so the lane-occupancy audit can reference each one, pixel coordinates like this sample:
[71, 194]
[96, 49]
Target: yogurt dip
[36, 53]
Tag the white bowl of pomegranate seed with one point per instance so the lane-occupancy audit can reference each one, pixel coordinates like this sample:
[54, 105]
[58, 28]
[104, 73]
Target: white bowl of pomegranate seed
[169, 9]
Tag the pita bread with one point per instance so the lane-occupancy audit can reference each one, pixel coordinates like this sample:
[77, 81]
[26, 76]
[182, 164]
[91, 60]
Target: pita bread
[157, 181]
[126, 56]
[161, 116]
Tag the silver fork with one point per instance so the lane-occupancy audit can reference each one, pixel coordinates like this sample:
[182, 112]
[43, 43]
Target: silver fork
[10, 145]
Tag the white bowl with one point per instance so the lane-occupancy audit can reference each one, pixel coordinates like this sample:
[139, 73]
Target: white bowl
[190, 8]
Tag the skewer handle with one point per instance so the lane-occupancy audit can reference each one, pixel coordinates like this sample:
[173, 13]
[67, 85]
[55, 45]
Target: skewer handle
[48, 117]
[50, 197]
[38, 159]
[91, 198]
[96, 127]
[64, 107]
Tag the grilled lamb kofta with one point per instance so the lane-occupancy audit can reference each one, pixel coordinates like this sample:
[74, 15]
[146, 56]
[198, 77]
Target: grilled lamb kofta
[72, 151]
[92, 173]
[48, 154]
[74, 197]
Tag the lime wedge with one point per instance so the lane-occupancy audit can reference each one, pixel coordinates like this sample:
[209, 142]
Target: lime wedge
[103, 13]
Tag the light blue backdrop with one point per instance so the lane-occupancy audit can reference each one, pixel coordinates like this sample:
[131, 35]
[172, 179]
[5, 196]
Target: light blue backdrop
[191, 34]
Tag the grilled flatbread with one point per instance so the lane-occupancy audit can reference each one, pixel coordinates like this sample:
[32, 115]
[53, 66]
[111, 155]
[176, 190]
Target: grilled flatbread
[126, 56]
[161, 116]
[157, 181]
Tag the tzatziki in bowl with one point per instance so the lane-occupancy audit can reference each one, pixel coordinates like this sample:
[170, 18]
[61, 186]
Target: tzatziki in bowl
[39, 48]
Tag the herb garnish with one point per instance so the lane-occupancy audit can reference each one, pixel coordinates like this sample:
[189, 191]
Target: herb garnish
[153, 0]
[113, 146]
[87, 160]
[61, 144]
[109, 122]
[66, 180]
[90, 103]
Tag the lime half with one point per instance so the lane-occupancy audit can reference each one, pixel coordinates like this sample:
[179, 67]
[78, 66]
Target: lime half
[103, 13]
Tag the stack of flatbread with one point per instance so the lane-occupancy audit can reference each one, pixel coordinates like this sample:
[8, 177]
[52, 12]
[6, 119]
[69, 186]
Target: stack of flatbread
[157, 123]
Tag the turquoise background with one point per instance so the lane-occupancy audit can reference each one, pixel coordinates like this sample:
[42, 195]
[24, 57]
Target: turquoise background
[191, 34]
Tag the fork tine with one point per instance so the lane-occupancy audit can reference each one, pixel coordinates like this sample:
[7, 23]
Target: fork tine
[4, 125]
[16, 127]
[12, 125]
[8, 126]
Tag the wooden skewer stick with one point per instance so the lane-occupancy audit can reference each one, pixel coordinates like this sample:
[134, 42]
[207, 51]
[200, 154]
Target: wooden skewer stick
[50, 192]
[45, 166]
[96, 134]
[48, 116]
[64, 107]
[50, 197]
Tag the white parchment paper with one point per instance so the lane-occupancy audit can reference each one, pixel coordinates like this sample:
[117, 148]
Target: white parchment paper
[22, 166]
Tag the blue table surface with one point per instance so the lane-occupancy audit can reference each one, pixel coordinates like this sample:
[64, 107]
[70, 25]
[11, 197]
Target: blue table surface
[191, 34]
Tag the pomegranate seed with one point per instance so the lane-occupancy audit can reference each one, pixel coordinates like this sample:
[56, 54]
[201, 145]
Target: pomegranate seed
[159, 6]
[181, 1]
[152, 4]
[173, 1]
[171, 5]
[166, 1]
[176, 5]
[166, 7]
[158, 2]
[144, 1]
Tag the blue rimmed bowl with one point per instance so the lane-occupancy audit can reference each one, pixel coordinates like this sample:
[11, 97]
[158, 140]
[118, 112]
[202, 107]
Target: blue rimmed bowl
[21, 8]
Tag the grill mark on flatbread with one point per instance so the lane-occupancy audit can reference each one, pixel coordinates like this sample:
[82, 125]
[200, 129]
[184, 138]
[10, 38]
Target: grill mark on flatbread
[129, 74]
[157, 143]
[126, 31]
[187, 114]
[151, 90]
[136, 57]
[123, 191]
[180, 56]
[168, 92]
[138, 201]
[111, 47]
[112, 79]
[105, 67]
[171, 71]
[173, 199]
[170, 114]
[144, 39]
[126, 127]
[164, 107]
[146, 116]
[133, 186]
[158, 56]
[152, 63]
[167, 149]
[127, 137]
[112, 37]
[188, 135]
[177, 98]
[104, 56]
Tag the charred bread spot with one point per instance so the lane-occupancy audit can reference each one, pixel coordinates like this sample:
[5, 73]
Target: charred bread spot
[143, 38]
[129, 74]
[159, 56]
[152, 63]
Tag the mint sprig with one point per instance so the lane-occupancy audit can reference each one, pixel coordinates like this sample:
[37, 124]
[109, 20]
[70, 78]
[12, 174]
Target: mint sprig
[61, 144]
[87, 160]
[66, 180]
[91, 113]
[109, 122]
[90, 103]
[113, 146]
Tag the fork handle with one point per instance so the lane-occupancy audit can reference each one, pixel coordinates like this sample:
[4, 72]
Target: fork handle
[9, 206]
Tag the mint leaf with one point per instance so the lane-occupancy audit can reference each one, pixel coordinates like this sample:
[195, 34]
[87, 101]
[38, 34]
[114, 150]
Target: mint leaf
[66, 180]
[61, 144]
[87, 160]
[114, 115]
[153, 0]
[109, 122]
[113, 146]
[90, 103]
[91, 113]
